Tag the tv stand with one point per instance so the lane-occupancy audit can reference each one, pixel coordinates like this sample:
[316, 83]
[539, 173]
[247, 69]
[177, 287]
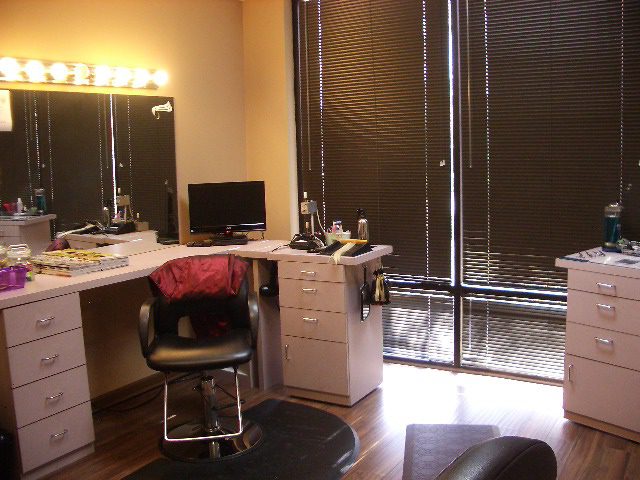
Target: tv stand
[221, 240]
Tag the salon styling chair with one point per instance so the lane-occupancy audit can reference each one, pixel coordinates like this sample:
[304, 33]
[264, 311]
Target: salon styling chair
[214, 436]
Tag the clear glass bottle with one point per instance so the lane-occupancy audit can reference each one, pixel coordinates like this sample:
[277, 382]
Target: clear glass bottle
[612, 227]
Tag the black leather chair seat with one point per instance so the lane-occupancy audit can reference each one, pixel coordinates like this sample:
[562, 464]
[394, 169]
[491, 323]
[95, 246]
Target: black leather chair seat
[184, 354]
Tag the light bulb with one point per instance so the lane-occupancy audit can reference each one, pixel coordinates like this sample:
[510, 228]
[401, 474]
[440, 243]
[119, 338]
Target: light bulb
[102, 75]
[121, 77]
[81, 74]
[35, 71]
[141, 77]
[59, 72]
[160, 77]
[9, 68]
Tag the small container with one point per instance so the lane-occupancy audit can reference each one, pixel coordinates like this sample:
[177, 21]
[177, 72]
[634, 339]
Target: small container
[20, 255]
[3, 256]
[334, 237]
[363, 225]
[612, 227]
[337, 226]
[13, 277]
[41, 201]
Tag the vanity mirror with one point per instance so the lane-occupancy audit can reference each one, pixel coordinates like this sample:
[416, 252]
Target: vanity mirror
[84, 148]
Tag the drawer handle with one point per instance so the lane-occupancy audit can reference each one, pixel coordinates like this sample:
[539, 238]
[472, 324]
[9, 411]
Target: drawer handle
[610, 286]
[286, 352]
[604, 306]
[309, 320]
[311, 273]
[54, 397]
[56, 436]
[52, 358]
[569, 370]
[310, 290]
[45, 322]
[604, 341]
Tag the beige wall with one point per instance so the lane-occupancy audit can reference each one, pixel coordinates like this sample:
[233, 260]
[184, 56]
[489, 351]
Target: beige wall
[199, 42]
[269, 109]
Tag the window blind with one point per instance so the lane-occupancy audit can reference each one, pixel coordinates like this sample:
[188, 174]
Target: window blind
[373, 124]
[549, 133]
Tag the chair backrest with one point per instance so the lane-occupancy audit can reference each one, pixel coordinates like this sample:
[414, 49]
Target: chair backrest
[235, 308]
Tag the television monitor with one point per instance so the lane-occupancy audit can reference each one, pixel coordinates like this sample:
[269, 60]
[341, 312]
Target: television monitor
[226, 208]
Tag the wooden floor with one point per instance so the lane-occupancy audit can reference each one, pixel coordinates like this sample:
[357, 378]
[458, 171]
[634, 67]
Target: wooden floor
[125, 441]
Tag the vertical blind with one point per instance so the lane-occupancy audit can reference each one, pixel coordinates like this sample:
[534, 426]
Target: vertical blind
[373, 117]
[549, 133]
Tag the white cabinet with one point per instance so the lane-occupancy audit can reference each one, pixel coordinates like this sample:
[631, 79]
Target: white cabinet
[328, 353]
[35, 231]
[44, 397]
[602, 362]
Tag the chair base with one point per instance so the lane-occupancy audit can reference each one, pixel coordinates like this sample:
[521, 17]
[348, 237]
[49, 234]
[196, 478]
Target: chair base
[211, 451]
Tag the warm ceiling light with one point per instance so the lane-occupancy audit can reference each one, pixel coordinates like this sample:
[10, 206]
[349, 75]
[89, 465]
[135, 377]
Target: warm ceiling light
[121, 77]
[160, 78]
[68, 73]
[59, 72]
[35, 71]
[9, 68]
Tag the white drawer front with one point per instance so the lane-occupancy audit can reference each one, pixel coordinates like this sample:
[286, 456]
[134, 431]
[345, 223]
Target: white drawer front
[35, 360]
[51, 395]
[603, 392]
[9, 231]
[315, 365]
[55, 436]
[611, 285]
[603, 311]
[307, 295]
[314, 324]
[603, 345]
[41, 319]
[311, 271]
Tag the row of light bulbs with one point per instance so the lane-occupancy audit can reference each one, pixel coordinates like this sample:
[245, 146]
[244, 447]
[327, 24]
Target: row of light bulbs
[36, 71]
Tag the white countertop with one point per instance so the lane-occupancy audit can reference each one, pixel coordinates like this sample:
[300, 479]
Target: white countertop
[595, 260]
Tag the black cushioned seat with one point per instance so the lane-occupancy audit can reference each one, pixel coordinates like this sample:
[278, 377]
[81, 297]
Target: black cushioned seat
[173, 353]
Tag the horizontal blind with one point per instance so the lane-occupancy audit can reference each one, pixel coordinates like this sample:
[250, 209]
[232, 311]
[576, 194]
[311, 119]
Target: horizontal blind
[373, 123]
[514, 335]
[418, 325]
[547, 133]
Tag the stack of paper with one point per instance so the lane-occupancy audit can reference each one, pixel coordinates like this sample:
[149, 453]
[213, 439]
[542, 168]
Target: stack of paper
[72, 262]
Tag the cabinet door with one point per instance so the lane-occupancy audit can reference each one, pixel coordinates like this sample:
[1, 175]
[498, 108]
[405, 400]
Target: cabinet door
[604, 392]
[315, 365]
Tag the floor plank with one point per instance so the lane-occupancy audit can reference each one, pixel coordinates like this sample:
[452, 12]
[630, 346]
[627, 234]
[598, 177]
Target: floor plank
[127, 440]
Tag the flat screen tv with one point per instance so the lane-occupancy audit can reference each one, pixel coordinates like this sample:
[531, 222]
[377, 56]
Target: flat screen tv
[226, 208]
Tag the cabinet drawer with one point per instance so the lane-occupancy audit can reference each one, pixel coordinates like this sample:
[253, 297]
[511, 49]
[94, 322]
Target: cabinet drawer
[309, 295]
[603, 311]
[51, 395]
[315, 365]
[311, 271]
[35, 360]
[10, 231]
[55, 436]
[611, 285]
[41, 319]
[602, 392]
[314, 324]
[603, 345]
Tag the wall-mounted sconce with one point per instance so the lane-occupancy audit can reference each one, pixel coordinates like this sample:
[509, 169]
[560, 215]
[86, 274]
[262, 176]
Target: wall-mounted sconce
[73, 73]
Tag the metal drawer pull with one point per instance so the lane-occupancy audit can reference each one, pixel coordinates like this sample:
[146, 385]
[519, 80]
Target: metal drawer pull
[604, 341]
[55, 397]
[605, 306]
[309, 320]
[310, 290]
[286, 352]
[308, 272]
[569, 370]
[49, 359]
[45, 322]
[606, 285]
[55, 436]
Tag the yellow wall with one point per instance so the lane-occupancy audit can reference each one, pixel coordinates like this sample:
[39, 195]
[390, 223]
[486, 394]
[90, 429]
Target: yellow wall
[270, 109]
[199, 42]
